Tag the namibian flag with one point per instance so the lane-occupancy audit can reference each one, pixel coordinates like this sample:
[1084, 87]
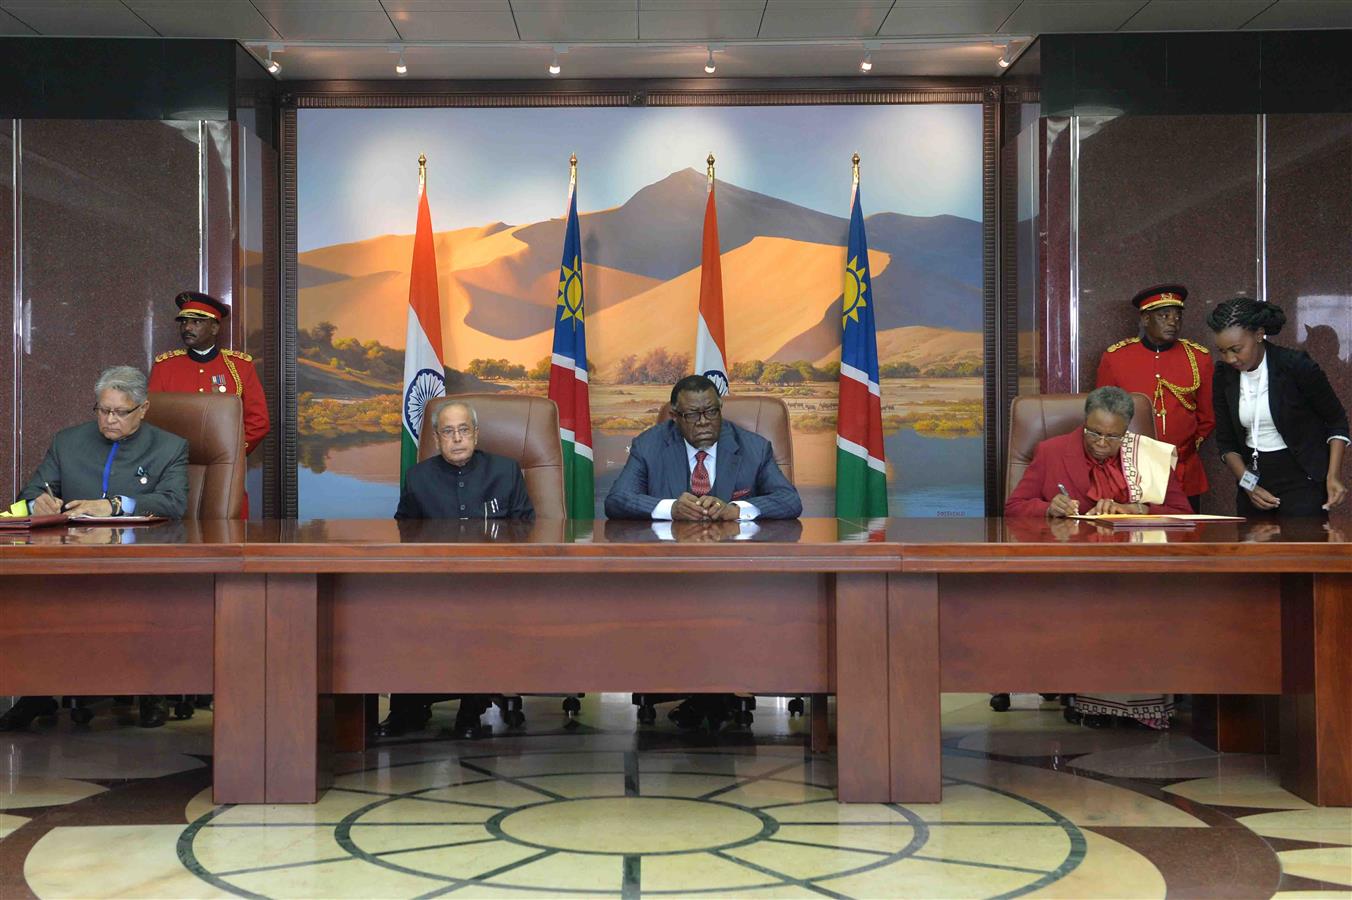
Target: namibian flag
[861, 468]
[568, 373]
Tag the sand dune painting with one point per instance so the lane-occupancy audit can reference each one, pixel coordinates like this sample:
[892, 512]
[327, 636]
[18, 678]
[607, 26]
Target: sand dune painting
[782, 231]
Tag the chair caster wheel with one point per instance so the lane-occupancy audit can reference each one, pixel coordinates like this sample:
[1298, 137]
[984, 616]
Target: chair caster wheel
[743, 718]
[514, 718]
[572, 706]
[183, 709]
[1072, 715]
[999, 702]
[796, 707]
[81, 716]
[647, 715]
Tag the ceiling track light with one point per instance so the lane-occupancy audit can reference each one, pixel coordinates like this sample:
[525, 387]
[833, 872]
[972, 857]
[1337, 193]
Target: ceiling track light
[401, 67]
[1005, 58]
[272, 65]
[709, 67]
[554, 67]
[866, 64]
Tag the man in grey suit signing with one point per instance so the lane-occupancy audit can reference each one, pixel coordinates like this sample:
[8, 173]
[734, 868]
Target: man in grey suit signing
[698, 467]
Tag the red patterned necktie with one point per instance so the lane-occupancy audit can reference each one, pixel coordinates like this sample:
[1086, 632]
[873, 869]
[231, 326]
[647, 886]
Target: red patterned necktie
[699, 478]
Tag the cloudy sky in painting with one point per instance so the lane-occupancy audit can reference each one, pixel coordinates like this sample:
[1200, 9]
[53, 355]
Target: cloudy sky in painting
[358, 169]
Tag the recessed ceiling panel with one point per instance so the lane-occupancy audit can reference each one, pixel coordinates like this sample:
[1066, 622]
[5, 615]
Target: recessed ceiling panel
[453, 20]
[702, 20]
[595, 62]
[1036, 16]
[1305, 14]
[10, 26]
[1168, 15]
[232, 19]
[78, 18]
[576, 20]
[328, 20]
[953, 17]
[807, 19]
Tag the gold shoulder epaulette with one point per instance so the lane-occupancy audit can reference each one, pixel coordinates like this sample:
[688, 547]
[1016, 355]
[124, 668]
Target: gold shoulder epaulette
[1120, 344]
[170, 354]
[238, 355]
[1194, 345]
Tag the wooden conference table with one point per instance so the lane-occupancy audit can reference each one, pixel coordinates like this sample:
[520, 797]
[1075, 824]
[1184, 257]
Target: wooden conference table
[278, 617]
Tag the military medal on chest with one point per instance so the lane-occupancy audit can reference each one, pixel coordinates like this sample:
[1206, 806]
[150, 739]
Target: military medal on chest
[218, 383]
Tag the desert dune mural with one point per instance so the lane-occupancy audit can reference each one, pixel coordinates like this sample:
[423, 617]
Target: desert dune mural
[782, 267]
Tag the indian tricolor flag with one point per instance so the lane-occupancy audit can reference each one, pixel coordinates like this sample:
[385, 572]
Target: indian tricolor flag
[710, 346]
[861, 468]
[568, 372]
[424, 376]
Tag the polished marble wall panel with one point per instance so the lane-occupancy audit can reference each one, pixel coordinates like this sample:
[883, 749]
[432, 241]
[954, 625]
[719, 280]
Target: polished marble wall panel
[1164, 199]
[1309, 239]
[109, 234]
[8, 474]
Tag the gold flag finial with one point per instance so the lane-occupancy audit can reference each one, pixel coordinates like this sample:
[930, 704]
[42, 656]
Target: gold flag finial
[572, 172]
[854, 162]
[422, 171]
[710, 170]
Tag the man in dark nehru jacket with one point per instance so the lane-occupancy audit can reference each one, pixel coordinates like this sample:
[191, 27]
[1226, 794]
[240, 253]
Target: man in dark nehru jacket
[1174, 372]
[115, 465]
[204, 367]
[461, 482]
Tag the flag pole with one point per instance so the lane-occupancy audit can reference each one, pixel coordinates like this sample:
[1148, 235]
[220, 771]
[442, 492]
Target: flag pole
[710, 170]
[572, 173]
[854, 162]
[422, 172]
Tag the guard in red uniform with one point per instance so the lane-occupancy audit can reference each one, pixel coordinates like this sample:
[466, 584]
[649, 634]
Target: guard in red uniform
[204, 367]
[1174, 372]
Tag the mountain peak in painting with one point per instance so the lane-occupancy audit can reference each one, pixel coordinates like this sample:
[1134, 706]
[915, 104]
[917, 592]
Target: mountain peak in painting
[499, 282]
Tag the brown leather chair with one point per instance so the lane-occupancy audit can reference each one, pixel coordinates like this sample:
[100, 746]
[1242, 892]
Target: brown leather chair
[1032, 419]
[769, 418]
[213, 426]
[519, 427]
[1035, 417]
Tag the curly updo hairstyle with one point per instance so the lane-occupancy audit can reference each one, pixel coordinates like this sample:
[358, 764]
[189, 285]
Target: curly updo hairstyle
[1247, 313]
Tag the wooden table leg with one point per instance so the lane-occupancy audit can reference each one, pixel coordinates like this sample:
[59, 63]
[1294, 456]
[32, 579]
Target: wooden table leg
[239, 748]
[296, 742]
[913, 684]
[861, 688]
[819, 728]
[1316, 717]
[353, 715]
[1235, 723]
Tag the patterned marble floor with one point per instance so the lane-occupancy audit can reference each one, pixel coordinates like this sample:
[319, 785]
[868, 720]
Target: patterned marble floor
[1032, 807]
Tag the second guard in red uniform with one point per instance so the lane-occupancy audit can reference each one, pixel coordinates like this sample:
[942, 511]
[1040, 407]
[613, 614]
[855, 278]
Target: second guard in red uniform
[204, 367]
[1174, 372]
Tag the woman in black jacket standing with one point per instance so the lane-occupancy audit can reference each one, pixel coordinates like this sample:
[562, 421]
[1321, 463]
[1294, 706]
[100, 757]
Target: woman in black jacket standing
[1279, 426]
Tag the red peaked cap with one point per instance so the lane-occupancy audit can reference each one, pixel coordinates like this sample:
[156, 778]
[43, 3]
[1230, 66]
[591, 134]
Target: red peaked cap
[1159, 296]
[196, 305]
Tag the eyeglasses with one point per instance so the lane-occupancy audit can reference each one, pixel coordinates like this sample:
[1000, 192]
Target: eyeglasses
[694, 415]
[462, 432]
[106, 413]
[1095, 437]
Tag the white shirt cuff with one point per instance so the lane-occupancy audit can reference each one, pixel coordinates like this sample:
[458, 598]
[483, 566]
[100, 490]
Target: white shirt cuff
[663, 509]
[1339, 437]
[746, 511]
[128, 506]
